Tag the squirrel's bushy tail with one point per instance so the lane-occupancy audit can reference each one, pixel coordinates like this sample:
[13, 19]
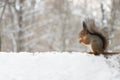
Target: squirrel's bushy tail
[108, 54]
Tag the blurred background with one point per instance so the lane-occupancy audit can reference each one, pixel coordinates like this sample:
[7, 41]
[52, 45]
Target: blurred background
[53, 25]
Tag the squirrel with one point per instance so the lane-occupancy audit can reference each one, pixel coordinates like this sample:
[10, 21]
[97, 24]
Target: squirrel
[95, 39]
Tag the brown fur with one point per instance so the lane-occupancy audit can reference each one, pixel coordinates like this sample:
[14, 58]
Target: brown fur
[90, 35]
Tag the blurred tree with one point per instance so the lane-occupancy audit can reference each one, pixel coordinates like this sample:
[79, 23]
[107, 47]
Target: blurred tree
[61, 9]
[19, 12]
[115, 11]
[114, 24]
[1, 16]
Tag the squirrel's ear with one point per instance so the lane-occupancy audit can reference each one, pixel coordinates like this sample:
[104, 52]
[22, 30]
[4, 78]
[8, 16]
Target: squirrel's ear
[84, 25]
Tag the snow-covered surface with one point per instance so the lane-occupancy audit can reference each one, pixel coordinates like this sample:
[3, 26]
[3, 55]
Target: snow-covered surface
[58, 66]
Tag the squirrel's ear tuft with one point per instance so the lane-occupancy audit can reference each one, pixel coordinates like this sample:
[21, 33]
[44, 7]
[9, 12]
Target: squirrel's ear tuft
[84, 25]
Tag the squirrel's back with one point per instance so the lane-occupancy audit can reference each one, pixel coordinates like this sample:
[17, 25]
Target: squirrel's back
[93, 30]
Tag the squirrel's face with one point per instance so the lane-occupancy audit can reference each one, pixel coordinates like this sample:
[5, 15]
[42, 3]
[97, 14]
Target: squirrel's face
[83, 37]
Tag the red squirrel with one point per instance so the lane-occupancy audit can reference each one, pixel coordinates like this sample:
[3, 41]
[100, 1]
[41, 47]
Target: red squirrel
[94, 38]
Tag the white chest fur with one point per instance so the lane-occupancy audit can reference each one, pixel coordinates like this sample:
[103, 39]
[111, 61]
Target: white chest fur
[90, 47]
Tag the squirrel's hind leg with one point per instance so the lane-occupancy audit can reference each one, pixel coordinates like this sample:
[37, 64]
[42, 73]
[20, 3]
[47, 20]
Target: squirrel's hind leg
[93, 53]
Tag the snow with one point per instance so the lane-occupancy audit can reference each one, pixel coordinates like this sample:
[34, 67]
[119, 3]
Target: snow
[57, 66]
